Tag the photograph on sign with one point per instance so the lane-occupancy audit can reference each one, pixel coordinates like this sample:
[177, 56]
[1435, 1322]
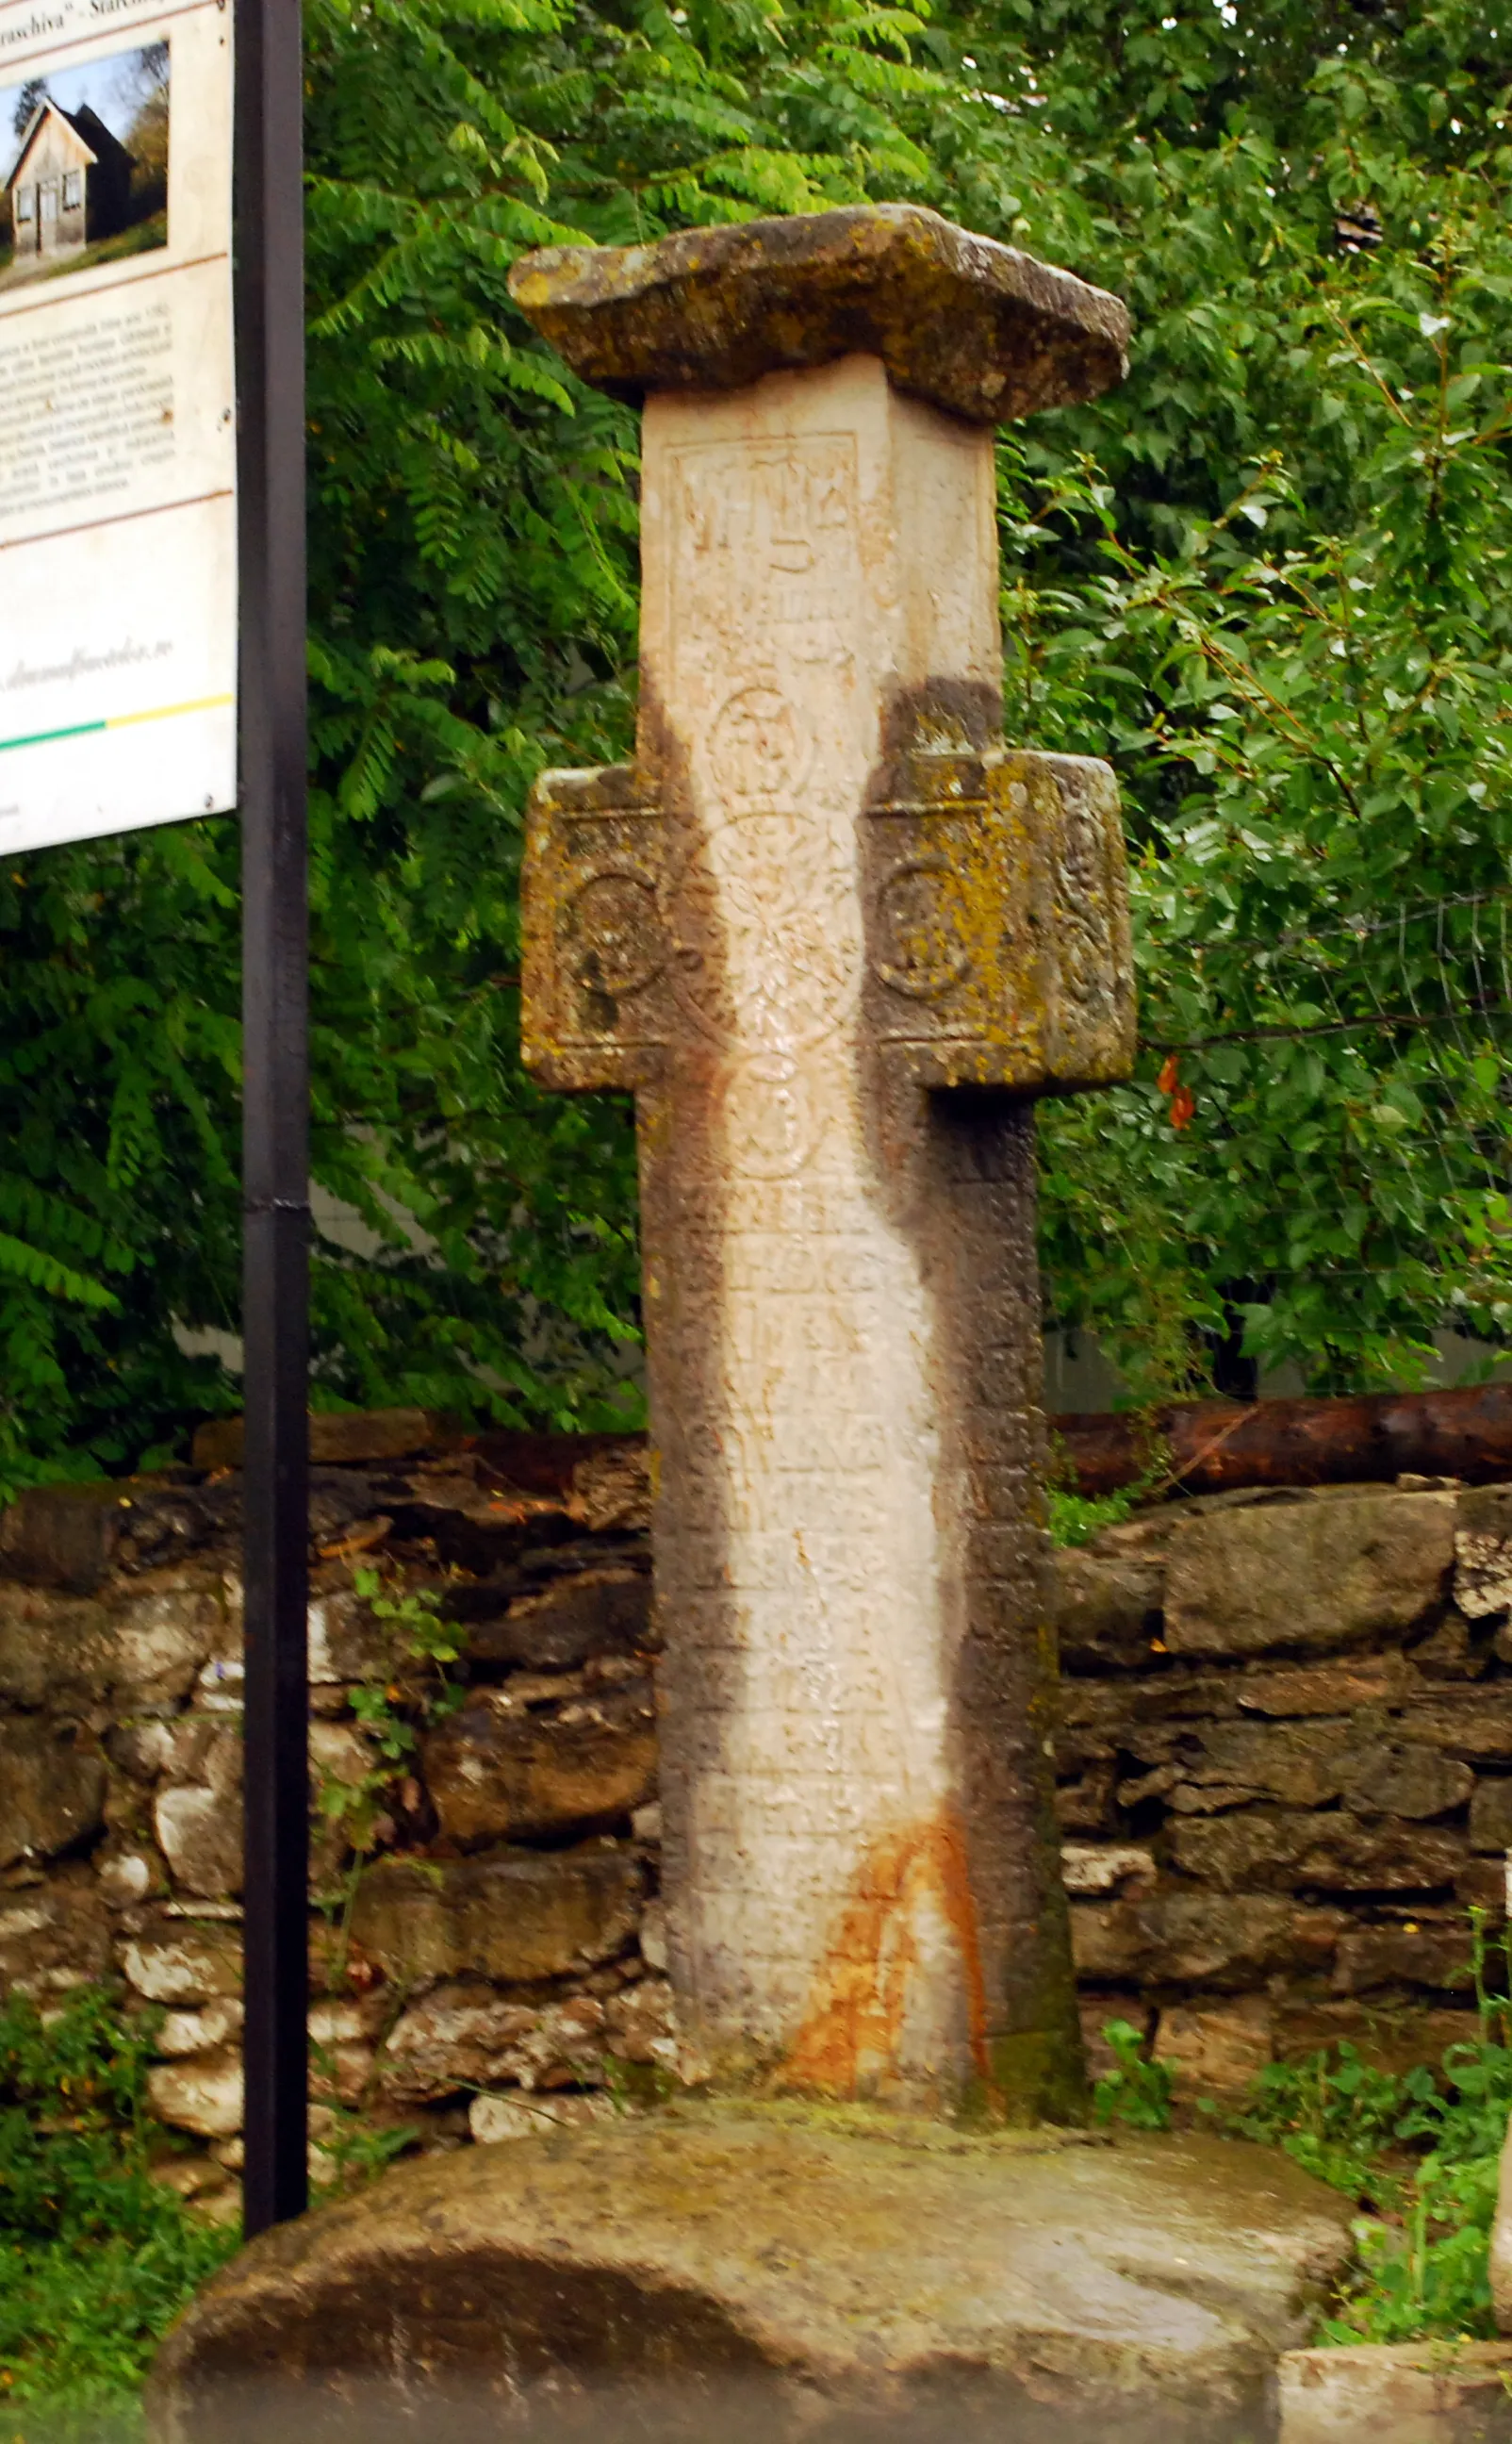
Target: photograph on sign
[118, 444]
[87, 179]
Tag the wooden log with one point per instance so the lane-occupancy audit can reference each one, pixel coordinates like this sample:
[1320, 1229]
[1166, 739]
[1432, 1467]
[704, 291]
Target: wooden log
[1373, 1438]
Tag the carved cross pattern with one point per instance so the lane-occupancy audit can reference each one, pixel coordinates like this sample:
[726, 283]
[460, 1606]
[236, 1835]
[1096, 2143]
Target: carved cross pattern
[997, 950]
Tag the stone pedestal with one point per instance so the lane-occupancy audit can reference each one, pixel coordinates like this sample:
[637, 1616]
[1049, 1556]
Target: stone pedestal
[844, 2278]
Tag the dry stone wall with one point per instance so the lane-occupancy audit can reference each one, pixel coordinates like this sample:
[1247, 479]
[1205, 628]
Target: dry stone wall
[500, 1957]
[1285, 1764]
[1285, 1771]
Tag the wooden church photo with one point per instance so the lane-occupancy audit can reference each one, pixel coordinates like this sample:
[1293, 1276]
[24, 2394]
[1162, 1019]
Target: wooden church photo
[87, 180]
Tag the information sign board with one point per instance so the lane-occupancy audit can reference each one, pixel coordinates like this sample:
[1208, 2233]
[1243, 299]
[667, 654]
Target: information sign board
[118, 423]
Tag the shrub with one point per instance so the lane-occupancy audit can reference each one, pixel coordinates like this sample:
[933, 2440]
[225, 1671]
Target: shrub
[97, 2257]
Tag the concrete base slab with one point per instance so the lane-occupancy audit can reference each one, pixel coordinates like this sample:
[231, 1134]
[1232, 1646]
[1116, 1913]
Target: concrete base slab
[1408, 2393]
[772, 2272]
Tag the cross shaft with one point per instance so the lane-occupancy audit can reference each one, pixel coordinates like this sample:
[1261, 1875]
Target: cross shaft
[836, 938]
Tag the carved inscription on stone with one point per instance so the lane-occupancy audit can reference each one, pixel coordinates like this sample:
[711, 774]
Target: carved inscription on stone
[783, 937]
[804, 1306]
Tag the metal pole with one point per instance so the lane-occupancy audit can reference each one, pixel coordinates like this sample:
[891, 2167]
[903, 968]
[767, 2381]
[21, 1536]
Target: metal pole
[270, 392]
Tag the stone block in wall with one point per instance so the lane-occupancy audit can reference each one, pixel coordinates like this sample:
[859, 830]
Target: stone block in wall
[1491, 1814]
[346, 1643]
[1433, 1953]
[500, 1772]
[129, 1874]
[611, 1488]
[62, 1535]
[338, 1438]
[52, 1789]
[1299, 1763]
[1090, 1867]
[464, 2036]
[1091, 1718]
[46, 1641]
[1475, 1724]
[515, 1918]
[596, 1610]
[203, 2096]
[1308, 1689]
[142, 1652]
[201, 1746]
[1392, 1777]
[1294, 1850]
[1227, 1943]
[342, 2049]
[1307, 1577]
[1215, 2045]
[161, 1637]
[1453, 1652]
[653, 1936]
[201, 2030]
[1084, 1805]
[1482, 1884]
[1483, 1552]
[1107, 1609]
[53, 1935]
[643, 2024]
[199, 1832]
[338, 1753]
[182, 1961]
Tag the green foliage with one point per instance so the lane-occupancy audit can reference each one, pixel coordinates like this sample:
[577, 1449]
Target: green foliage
[1077, 1518]
[95, 2258]
[1337, 2116]
[1422, 2152]
[1269, 576]
[1138, 2091]
[393, 1713]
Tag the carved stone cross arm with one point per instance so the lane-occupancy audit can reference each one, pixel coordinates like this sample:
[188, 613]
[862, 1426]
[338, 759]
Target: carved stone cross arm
[997, 925]
[598, 941]
[837, 938]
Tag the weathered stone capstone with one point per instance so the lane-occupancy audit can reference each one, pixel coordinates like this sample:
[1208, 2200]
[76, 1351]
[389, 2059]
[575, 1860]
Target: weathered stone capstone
[836, 936]
[959, 321]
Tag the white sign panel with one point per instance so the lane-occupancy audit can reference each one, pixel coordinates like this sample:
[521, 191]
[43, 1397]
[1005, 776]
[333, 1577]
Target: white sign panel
[118, 428]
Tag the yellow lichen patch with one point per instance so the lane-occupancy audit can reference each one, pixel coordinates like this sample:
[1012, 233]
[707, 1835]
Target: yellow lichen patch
[1000, 926]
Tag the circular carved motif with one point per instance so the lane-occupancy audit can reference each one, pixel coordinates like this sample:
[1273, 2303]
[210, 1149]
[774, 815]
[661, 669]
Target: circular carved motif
[768, 1126]
[613, 932]
[920, 955]
[758, 747]
[763, 926]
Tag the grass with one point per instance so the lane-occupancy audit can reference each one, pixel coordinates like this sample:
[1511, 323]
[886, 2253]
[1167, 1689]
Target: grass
[97, 2258]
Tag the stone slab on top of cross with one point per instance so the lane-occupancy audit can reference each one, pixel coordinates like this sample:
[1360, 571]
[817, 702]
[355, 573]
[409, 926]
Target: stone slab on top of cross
[836, 938]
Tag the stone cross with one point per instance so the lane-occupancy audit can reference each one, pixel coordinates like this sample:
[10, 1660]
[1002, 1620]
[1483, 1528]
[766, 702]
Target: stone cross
[836, 938]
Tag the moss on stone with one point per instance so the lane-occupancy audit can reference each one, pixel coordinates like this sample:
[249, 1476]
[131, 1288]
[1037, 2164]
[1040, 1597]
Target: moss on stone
[972, 326]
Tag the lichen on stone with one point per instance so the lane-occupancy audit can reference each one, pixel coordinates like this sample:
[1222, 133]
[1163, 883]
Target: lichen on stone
[969, 324]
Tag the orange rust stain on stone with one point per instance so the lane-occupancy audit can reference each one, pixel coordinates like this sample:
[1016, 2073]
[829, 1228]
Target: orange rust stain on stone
[853, 2027]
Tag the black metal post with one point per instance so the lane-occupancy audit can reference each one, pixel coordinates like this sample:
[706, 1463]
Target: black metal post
[270, 393]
